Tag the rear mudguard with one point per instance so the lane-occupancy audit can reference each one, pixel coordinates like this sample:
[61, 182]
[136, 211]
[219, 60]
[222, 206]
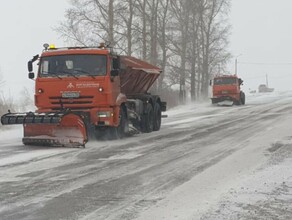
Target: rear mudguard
[58, 129]
[222, 98]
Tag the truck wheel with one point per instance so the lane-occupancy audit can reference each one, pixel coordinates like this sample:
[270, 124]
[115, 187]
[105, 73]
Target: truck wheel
[123, 126]
[147, 119]
[120, 131]
[237, 102]
[242, 98]
[157, 117]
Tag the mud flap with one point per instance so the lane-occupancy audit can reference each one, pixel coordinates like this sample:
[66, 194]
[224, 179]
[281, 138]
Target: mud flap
[225, 103]
[70, 131]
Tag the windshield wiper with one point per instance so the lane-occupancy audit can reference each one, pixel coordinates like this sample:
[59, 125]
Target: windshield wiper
[83, 71]
[66, 72]
[53, 73]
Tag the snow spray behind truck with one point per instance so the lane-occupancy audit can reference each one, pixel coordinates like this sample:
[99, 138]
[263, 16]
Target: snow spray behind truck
[227, 88]
[84, 92]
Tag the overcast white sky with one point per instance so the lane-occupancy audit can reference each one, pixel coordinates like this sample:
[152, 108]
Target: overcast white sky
[25, 27]
[261, 33]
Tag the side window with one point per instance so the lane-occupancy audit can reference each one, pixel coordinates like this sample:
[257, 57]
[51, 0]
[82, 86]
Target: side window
[45, 67]
[100, 65]
[112, 64]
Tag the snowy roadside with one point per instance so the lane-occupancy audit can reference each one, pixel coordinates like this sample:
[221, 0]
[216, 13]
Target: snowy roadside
[8, 133]
[265, 195]
[253, 183]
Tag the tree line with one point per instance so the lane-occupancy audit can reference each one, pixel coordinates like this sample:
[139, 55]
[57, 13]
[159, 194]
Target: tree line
[187, 39]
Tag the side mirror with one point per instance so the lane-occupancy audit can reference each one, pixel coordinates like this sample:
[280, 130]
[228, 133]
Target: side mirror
[210, 83]
[29, 66]
[115, 72]
[240, 81]
[116, 63]
[31, 75]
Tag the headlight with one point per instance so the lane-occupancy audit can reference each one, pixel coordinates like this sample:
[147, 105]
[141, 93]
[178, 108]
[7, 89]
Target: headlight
[103, 114]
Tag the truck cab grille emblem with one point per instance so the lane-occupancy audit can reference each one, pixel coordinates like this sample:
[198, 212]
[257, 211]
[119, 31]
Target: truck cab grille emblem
[70, 86]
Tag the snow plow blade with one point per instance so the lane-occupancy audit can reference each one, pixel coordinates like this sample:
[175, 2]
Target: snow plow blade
[53, 129]
[31, 118]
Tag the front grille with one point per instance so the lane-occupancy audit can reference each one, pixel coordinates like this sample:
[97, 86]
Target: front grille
[74, 103]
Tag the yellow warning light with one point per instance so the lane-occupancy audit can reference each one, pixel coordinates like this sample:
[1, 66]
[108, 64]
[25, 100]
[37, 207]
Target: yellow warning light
[52, 46]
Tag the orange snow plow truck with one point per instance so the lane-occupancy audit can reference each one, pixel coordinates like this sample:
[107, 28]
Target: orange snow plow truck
[86, 92]
[226, 88]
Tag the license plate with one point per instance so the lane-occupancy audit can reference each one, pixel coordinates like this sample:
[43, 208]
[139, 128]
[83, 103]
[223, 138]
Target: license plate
[70, 94]
[224, 92]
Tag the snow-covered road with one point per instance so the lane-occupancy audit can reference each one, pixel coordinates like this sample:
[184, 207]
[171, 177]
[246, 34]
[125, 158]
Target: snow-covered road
[206, 162]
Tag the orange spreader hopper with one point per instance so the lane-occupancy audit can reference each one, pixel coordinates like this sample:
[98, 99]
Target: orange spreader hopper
[136, 75]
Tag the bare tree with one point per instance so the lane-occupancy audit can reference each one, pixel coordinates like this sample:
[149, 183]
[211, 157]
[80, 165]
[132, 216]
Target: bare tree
[181, 13]
[89, 22]
[163, 40]
[209, 35]
[186, 38]
[25, 102]
[126, 13]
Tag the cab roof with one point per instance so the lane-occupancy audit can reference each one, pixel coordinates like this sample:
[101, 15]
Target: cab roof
[74, 50]
[226, 76]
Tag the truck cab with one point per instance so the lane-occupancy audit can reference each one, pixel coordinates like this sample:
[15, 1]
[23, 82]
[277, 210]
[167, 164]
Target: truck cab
[79, 79]
[88, 92]
[227, 88]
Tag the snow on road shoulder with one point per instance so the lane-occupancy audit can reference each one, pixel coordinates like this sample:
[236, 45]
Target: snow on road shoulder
[263, 98]
[265, 196]
[10, 133]
[11, 138]
[205, 107]
[236, 180]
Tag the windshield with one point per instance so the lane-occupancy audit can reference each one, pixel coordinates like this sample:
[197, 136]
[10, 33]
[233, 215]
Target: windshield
[224, 81]
[73, 65]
